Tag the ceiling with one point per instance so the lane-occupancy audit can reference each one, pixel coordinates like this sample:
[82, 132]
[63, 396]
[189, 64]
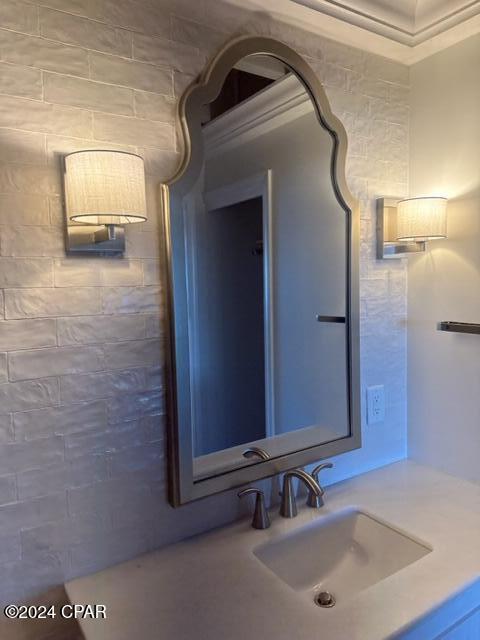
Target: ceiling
[410, 22]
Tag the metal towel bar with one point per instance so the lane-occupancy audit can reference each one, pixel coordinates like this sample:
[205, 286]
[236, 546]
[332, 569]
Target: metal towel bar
[460, 327]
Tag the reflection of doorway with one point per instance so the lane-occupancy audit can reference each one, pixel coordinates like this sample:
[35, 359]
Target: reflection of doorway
[230, 328]
[231, 332]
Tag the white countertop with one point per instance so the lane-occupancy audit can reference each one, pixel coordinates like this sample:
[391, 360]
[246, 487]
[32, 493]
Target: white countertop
[212, 587]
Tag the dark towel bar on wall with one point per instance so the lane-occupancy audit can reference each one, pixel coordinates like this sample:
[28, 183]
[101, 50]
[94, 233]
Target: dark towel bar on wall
[460, 327]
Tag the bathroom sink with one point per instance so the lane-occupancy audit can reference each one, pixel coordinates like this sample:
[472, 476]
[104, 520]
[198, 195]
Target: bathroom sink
[340, 554]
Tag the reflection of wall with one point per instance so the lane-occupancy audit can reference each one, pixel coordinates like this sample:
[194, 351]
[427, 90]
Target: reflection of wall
[444, 284]
[230, 369]
[308, 262]
[112, 477]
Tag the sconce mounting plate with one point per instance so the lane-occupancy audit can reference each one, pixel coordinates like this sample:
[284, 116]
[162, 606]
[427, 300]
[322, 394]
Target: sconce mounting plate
[90, 240]
[388, 246]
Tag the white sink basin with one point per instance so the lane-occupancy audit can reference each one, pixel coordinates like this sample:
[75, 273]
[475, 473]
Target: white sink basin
[341, 554]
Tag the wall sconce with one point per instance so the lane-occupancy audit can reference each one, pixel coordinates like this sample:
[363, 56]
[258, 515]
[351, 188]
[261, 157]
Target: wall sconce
[405, 226]
[104, 191]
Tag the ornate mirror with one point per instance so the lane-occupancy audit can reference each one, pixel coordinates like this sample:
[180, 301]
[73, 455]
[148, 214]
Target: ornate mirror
[262, 264]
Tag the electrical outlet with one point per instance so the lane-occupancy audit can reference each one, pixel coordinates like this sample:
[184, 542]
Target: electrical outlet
[375, 404]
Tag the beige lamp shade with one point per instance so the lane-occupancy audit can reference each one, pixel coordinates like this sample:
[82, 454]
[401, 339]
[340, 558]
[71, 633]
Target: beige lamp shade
[420, 219]
[105, 187]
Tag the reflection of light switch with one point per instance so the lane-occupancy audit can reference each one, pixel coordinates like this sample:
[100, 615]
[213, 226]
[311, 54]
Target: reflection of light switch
[375, 404]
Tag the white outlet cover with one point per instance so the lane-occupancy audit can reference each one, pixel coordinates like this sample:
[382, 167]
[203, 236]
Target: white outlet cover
[375, 404]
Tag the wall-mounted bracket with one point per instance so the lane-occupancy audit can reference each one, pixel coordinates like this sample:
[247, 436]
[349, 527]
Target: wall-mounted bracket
[387, 244]
[92, 240]
[459, 327]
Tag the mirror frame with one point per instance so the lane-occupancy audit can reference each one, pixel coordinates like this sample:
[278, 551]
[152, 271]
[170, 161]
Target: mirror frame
[182, 488]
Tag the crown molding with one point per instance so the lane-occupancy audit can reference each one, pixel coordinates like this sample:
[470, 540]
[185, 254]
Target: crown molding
[406, 37]
[281, 102]
[408, 23]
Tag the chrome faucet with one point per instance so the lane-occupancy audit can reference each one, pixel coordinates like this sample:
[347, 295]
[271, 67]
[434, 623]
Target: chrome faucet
[313, 500]
[288, 506]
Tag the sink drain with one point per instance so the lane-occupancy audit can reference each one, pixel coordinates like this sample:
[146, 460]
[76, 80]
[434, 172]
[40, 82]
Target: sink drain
[325, 599]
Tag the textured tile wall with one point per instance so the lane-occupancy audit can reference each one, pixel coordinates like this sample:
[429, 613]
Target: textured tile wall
[82, 470]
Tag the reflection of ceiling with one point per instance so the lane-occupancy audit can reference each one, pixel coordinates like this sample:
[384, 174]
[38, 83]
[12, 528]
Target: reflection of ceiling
[409, 22]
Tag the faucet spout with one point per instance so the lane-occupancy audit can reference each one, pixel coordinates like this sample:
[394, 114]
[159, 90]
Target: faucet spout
[288, 507]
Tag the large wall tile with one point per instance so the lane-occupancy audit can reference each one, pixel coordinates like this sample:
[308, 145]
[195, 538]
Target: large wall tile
[149, 403]
[133, 131]
[74, 418]
[91, 554]
[72, 272]
[121, 435]
[8, 489]
[32, 51]
[50, 303]
[125, 273]
[59, 535]
[21, 456]
[61, 26]
[137, 75]
[187, 31]
[167, 53]
[105, 384]
[99, 329]
[134, 353]
[102, 496]
[32, 513]
[131, 300]
[17, 208]
[27, 334]
[77, 272]
[42, 363]
[6, 429]
[151, 17]
[145, 457]
[18, 16]
[154, 106]
[25, 272]
[20, 242]
[10, 548]
[20, 81]
[30, 115]
[76, 473]
[86, 94]
[22, 396]
[143, 244]
[22, 146]
[29, 179]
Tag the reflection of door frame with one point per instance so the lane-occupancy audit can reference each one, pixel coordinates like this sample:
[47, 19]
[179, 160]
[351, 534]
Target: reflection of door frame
[255, 186]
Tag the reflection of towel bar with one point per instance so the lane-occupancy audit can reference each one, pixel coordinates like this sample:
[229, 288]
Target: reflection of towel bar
[460, 327]
[339, 319]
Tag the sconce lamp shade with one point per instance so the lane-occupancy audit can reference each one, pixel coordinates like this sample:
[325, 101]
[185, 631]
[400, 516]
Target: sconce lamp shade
[105, 187]
[421, 219]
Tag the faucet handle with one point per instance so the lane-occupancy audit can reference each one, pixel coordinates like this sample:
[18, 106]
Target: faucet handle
[317, 501]
[260, 515]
